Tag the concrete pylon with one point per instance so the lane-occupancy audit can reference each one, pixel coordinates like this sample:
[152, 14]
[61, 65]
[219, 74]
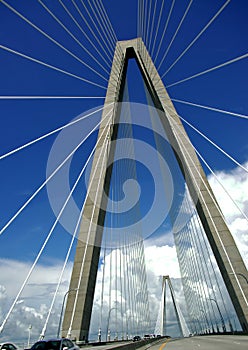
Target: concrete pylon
[89, 241]
[179, 316]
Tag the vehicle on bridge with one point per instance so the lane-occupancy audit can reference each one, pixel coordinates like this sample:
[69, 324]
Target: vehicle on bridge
[8, 346]
[147, 336]
[136, 338]
[55, 344]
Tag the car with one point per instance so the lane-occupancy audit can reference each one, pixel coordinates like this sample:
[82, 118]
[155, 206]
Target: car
[136, 338]
[8, 346]
[55, 344]
[147, 336]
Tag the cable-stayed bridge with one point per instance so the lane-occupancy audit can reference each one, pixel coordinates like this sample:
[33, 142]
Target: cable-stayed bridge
[121, 178]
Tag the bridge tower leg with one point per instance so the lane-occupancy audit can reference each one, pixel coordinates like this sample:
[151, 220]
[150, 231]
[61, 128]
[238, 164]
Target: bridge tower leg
[77, 314]
[180, 321]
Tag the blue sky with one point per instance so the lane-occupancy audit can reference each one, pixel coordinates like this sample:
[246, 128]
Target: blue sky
[25, 120]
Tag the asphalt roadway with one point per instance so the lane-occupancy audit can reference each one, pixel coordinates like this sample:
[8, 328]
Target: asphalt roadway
[213, 342]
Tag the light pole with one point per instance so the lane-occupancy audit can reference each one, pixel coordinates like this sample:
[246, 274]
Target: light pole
[99, 335]
[108, 332]
[62, 309]
[221, 317]
[29, 334]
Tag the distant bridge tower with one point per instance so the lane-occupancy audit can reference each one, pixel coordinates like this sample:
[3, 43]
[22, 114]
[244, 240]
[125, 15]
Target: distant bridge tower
[79, 304]
[161, 321]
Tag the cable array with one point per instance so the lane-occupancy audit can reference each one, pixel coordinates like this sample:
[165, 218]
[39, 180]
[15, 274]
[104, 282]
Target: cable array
[124, 297]
[186, 238]
[50, 232]
[123, 303]
[199, 283]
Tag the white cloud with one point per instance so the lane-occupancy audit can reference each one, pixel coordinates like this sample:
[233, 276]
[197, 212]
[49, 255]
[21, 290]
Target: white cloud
[235, 183]
[162, 261]
[33, 305]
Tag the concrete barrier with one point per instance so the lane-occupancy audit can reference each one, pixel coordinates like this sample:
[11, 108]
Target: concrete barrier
[132, 345]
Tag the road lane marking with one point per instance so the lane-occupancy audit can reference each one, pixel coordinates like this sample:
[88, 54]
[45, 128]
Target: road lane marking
[163, 345]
